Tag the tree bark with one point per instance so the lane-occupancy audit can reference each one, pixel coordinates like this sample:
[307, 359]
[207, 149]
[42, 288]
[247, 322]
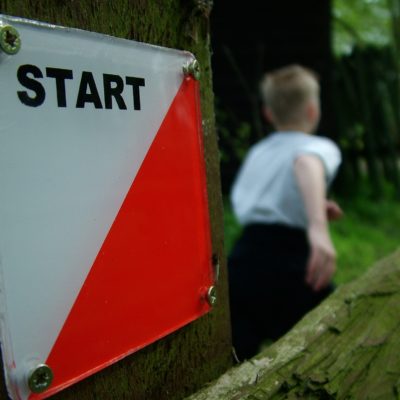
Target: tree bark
[347, 348]
[179, 364]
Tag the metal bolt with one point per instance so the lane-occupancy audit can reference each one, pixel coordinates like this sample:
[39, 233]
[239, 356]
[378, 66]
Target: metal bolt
[192, 68]
[10, 41]
[212, 296]
[40, 378]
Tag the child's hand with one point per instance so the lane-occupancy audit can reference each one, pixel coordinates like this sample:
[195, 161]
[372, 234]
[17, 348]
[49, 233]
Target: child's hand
[333, 210]
[321, 264]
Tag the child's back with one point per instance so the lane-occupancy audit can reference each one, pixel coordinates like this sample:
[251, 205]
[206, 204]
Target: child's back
[265, 189]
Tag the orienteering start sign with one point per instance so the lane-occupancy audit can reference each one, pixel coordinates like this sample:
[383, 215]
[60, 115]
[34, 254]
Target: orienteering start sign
[104, 225]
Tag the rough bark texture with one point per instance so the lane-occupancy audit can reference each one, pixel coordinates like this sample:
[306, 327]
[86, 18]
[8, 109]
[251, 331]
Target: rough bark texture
[347, 348]
[178, 365]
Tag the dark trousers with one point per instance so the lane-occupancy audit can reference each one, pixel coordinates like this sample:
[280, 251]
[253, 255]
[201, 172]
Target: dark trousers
[268, 293]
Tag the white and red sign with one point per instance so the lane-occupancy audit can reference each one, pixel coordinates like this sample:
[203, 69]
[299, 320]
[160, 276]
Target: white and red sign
[104, 230]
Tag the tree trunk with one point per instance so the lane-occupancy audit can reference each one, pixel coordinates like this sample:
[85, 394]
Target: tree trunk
[179, 364]
[347, 348]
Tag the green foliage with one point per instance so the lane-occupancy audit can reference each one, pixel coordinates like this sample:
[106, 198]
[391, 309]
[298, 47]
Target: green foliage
[368, 231]
[358, 22]
[231, 227]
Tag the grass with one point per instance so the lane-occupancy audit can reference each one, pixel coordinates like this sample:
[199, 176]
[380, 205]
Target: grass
[368, 231]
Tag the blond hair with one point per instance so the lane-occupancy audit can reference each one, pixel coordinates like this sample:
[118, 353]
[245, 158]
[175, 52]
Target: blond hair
[287, 90]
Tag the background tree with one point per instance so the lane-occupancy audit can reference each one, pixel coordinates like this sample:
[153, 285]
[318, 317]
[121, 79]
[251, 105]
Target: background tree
[367, 93]
[249, 40]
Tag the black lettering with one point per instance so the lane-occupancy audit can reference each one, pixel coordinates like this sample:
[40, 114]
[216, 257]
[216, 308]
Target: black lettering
[135, 83]
[87, 82]
[31, 84]
[110, 92]
[60, 76]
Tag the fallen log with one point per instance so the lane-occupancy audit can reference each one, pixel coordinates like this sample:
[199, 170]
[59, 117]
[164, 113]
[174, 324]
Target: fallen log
[347, 348]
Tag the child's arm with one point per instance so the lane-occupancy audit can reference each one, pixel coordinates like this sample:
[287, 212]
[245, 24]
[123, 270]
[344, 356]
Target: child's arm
[310, 176]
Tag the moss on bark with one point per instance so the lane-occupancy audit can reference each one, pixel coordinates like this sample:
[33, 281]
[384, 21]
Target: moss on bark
[179, 364]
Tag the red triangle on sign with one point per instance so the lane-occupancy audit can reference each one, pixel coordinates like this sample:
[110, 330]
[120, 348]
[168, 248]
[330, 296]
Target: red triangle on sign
[154, 266]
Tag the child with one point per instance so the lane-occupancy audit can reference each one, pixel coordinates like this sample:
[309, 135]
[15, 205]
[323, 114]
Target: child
[282, 265]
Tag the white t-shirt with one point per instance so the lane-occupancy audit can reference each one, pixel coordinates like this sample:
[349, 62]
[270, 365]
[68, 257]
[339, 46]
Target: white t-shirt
[265, 190]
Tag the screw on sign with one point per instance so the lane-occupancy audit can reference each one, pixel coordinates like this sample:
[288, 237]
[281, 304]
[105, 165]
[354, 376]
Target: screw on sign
[212, 296]
[10, 41]
[103, 190]
[40, 378]
[193, 69]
